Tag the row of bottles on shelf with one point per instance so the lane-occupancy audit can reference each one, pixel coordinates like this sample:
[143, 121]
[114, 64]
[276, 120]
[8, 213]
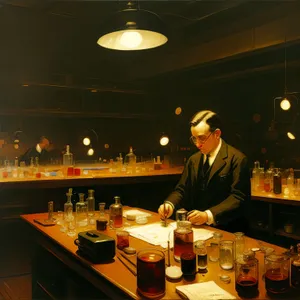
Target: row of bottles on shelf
[270, 180]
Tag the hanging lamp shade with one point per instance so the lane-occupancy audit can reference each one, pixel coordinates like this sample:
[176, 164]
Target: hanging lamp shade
[133, 29]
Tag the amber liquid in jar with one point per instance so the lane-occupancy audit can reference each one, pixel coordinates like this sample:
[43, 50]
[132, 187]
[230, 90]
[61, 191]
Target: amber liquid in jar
[183, 242]
[247, 286]
[276, 283]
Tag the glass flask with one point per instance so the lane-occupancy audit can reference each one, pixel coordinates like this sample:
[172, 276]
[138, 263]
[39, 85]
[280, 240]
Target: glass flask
[116, 213]
[181, 215]
[215, 246]
[130, 161]
[68, 157]
[239, 243]
[226, 258]
[183, 239]
[81, 212]
[246, 275]
[295, 269]
[91, 203]
[277, 273]
[201, 252]
[68, 208]
[277, 182]
[151, 282]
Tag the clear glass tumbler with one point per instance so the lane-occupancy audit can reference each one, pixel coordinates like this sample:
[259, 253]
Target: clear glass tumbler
[226, 259]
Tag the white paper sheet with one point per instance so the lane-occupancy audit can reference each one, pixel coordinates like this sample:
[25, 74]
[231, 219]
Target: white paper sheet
[156, 234]
[135, 212]
[203, 291]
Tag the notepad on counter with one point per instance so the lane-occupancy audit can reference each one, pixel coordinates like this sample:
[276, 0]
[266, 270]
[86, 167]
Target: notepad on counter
[203, 291]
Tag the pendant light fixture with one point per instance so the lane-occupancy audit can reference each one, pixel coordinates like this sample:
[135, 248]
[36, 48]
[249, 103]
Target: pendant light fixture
[133, 29]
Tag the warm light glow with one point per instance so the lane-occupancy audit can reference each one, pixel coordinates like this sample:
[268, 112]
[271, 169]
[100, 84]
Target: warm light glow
[90, 152]
[164, 140]
[291, 136]
[178, 111]
[106, 146]
[131, 39]
[16, 146]
[25, 85]
[86, 141]
[285, 104]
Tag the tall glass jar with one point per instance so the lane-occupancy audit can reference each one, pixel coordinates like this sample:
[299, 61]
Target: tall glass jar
[246, 275]
[183, 239]
[201, 252]
[214, 250]
[277, 182]
[81, 212]
[239, 243]
[295, 268]
[116, 213]
[68, 208]
[277, 279]
[226, 259]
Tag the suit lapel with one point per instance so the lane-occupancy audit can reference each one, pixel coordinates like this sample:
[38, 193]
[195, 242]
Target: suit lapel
[197, 165]
[219, 161]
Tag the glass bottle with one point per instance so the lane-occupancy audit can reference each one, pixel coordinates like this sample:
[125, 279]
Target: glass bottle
[214, 246]
[239, 243]
[295, 268]
[246, 275]
[277, 181]
[277, 279]
[91, 203]
[101, 222]
[268, 183]
[102, 210]
[183, 239]
[15, 169]
[68, 208]
[130, 161]
[226, 259]
[201, 252]
[290, 183]
[255, 176]
[181, 215]
[81, 212]
[116, 213]
[68, 157]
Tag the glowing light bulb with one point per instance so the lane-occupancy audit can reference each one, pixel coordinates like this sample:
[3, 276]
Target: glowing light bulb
[291, 136]
[90, 152]
[285, 104]
[164, 141]
[178, 111]
[131, 39]
[86, 141]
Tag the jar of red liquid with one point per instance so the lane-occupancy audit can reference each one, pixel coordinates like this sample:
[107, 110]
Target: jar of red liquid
[70, 171]
[122, 239]
[295, 269]
[246, 275]
[183, 239]
[277, 268]
[151, 282]
[188, 263]
[116, 213]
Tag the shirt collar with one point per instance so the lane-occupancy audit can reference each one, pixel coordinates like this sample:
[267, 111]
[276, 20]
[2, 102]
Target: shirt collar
[215, 152]
[38, 148]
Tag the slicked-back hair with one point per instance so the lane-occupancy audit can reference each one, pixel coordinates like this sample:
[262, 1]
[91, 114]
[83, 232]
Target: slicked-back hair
[209, 117]
[42, 138]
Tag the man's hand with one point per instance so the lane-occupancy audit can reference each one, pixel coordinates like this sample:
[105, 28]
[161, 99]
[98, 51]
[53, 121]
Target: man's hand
[198, 217]
[167, 212]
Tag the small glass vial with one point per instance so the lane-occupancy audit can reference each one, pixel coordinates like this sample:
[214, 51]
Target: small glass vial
[239, 244]
[68, 208]
[101, 222]
[246, 275]
[215, 246]
[277, 182]
[295, 269]
[81, 212]
[68, 157]
[183, 239]
[91, 203]
[201, 252]
[116, 213]
[50, 210]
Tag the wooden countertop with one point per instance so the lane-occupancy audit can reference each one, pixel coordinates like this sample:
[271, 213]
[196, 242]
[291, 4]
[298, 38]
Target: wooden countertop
[117, 274]
[98, 178]
[276, 198]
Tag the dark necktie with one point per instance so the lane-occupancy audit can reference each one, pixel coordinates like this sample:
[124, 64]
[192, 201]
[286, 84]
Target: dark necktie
[206, 165]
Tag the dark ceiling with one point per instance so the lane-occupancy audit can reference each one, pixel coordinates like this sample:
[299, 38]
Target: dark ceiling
[54, 42]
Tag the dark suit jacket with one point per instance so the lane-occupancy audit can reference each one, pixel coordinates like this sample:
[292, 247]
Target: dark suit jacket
[227, 190]
[32, 152]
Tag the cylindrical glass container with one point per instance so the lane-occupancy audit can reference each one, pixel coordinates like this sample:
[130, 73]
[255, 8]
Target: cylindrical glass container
[246, 275]
[181, 215]
[201, 252]
[226, 259]
[277, 182]
[277, 273]
[239, 244]
[188, 263]
[91, 203]
[151, 282]
[214, 250]
[295, 269]
[116, 213]
[183, 239]
[81, 212]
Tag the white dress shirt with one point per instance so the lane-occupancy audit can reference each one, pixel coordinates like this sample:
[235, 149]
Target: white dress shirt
[38, 148]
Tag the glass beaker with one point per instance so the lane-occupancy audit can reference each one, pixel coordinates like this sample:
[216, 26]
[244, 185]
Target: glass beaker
[183, 239]
[151, 282]
[226, 258]
[246, 275]
[116, 213]
[201, 252]
[277, 268]
[214, 249]
[239, 244]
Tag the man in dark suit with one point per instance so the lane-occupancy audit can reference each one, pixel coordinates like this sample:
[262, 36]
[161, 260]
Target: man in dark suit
[215, 184]
[39, 150]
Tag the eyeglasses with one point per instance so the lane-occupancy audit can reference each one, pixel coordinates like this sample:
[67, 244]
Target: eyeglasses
[197, 140]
